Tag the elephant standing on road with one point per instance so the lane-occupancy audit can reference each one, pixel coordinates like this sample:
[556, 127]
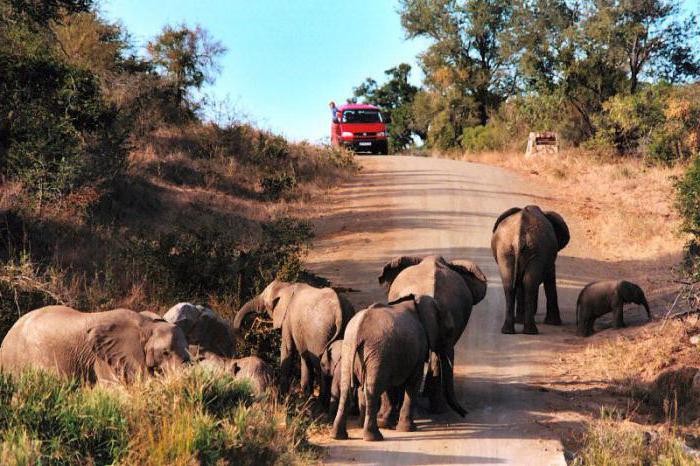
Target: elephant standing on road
[111, 346]
[310, 318]
[456, 287]
[525, 244]
[599, 298]
[385, 348]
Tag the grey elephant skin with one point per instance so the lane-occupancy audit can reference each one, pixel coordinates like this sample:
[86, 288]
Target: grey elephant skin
[525, 244]
[206, 332]
[251, 368]
[385, 348]
[456, 286]
[330, 369]
[599, 298]
[310, 319]
[112, 346]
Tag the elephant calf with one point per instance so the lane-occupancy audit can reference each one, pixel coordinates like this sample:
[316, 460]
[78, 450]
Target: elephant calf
[252, 368]
[599, 298]
[330, 370]
[385, 348]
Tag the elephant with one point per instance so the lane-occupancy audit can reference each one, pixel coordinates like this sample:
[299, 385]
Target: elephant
[385, 348]
[112, 346]
[456, 286]
[330, 369]
[599, 298]
[252, 368]
[525, 244]
[310, 318]
[206, 332]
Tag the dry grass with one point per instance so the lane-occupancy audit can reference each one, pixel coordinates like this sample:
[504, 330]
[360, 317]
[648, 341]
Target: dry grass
[626, 205]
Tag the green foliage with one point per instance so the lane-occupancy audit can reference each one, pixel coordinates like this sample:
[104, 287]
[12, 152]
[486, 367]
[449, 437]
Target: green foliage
[69, 425]
[196, 416]
[688, 198]
[187, 58]
[442, 133]
[481, 138]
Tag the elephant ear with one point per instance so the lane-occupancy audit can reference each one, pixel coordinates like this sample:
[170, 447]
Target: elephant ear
[213, 333]
[394, 268]
[119, 347]
[560, 228]
[505, 215]
[184, 315]
[280, 305]
[473, 276]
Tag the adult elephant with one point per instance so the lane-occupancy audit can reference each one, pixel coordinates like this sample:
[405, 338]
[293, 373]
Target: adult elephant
[310, 318]
[525, 244]
[111, 346]
[384, 348]
[456, 286]
[205, 331]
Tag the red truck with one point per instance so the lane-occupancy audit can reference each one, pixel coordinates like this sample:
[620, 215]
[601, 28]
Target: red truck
[360, 127]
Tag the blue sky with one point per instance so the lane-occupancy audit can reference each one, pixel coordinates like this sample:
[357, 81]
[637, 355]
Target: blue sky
[286, 59]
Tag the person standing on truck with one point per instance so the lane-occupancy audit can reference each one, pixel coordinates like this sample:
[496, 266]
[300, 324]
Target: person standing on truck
[334, 111]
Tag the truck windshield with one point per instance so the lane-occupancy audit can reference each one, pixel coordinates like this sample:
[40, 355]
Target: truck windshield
[361, 116]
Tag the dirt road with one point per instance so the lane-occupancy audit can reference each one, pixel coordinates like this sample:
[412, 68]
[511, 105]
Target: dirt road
[419, 206]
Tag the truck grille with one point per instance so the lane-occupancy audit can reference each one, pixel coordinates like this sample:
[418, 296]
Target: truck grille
[365, 135]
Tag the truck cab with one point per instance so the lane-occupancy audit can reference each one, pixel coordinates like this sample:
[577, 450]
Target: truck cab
[360, 128]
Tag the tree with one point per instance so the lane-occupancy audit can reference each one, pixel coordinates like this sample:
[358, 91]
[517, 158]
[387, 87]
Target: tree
[187, 58]
[394, 98]
[465, 63]
[648, 37]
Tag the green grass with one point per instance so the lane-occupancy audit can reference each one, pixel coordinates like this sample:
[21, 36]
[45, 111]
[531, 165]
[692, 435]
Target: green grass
[612, 440]
[192, 417]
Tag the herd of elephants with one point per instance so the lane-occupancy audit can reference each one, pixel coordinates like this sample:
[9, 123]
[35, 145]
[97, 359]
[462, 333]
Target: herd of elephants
[372, 360]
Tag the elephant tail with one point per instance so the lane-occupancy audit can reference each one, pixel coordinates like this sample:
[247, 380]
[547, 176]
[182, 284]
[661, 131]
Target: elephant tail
[357, 346]
[343, 313]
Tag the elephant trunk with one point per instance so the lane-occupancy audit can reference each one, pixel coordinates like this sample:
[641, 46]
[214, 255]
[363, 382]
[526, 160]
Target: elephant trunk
[254, 305]
[646, 306]
[448, 384]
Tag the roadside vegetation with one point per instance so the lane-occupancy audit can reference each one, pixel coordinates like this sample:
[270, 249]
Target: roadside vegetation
[116, 191]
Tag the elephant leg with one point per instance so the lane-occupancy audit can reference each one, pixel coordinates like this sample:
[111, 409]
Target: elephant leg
[520, 306]
[287, 353]
[429, 380]
[619, 321]
[340, 431]
[550, 290]
[325, 390]
[406, 423]
[307, 376]
[509, 324]
[361, 406]
[532, 288]
[371, 431]
[438, 404]
[385, 416]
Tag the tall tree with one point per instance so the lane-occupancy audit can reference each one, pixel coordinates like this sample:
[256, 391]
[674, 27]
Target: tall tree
[394, 98]
[188, 58]
[465, 60]
[649, 37]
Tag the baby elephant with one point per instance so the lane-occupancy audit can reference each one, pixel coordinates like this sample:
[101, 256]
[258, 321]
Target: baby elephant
[605, 296]
[257, 371]
[330, 370]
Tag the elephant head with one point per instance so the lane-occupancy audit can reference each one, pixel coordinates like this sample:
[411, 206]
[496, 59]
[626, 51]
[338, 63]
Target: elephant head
[439, 328]
[203, 328]
[631, 293]
[125, 350]
[274, 300]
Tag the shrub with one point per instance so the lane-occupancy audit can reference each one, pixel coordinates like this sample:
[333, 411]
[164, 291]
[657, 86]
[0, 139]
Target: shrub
[441, 133]
[481, 138]
[276, 184]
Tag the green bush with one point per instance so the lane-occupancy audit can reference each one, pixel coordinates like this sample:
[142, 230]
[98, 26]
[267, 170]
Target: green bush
[481, 138]
[441, 133]
[277, 184]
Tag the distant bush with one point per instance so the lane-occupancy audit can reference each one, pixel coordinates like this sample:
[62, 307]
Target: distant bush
[481, 138]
